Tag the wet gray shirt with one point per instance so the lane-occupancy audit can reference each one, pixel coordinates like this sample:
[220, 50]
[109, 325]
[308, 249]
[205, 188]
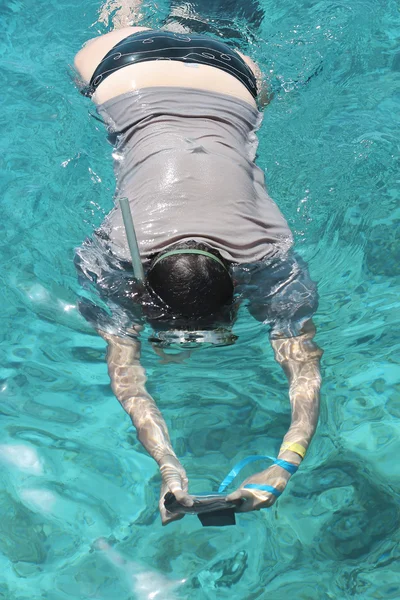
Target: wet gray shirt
[185, 160]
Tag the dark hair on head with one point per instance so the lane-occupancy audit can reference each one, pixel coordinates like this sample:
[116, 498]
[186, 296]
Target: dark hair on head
[192, 285]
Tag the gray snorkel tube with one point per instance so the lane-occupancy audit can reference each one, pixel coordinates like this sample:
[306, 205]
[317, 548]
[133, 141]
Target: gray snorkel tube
[132, 240]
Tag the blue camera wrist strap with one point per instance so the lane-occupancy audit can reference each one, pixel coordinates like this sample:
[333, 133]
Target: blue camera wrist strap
[289, 467]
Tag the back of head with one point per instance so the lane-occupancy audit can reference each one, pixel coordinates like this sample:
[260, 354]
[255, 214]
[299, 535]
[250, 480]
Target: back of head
[193, 286]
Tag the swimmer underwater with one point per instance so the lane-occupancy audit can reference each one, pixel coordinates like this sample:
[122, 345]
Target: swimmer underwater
[181, 110]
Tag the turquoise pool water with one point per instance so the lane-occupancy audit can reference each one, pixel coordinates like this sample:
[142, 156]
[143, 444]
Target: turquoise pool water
[72, 470]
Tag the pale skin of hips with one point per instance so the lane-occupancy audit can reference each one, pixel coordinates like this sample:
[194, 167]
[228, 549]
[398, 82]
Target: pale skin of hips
[299, 356]
[154, 73]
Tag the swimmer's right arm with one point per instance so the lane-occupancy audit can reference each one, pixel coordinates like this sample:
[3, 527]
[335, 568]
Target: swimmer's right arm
[128, 379]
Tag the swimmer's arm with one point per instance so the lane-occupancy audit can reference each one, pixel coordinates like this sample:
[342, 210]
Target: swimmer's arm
[128, 382]
[300, 359]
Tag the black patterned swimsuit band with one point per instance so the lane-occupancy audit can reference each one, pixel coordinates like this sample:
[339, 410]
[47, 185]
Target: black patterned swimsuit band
[164, 45]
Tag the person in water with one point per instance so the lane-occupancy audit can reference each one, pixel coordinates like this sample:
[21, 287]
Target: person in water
[181, 111]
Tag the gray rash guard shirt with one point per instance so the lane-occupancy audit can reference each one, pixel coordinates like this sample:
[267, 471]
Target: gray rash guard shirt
[184, 158]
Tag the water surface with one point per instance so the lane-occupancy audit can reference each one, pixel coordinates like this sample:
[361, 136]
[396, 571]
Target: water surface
[72, 470]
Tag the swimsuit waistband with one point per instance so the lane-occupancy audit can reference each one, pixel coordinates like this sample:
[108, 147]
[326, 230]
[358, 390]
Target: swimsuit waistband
[151, 45]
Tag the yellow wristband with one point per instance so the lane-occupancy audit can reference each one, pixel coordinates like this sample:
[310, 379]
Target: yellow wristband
[297, 448]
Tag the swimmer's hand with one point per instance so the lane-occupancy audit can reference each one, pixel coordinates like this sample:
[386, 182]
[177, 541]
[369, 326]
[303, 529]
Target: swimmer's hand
[174, 479]
[254, 499]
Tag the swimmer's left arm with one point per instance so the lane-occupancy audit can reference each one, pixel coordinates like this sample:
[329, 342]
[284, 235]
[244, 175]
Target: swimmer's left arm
[300, 359]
